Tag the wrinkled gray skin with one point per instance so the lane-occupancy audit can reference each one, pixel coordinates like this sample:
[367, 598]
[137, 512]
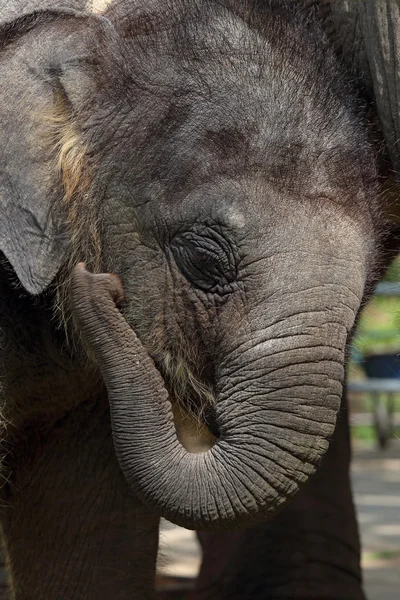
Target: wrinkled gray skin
[229, 182]
[311, 549]
[366, 33]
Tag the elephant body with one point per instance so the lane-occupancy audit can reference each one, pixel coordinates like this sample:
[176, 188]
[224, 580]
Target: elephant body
[229, 183]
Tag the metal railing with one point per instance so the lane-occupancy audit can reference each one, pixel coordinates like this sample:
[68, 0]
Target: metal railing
[388, 289]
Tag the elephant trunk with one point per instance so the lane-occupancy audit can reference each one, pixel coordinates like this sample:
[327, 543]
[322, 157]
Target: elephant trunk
[274, 421]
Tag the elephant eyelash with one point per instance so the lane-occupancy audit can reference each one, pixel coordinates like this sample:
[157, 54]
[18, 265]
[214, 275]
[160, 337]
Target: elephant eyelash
[206, 259]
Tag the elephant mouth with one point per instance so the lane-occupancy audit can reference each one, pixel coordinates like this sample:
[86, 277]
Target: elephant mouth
[210, 419]
[192, 394]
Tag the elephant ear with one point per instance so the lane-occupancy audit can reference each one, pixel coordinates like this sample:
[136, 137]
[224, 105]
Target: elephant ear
[45, 75]
[367, 35]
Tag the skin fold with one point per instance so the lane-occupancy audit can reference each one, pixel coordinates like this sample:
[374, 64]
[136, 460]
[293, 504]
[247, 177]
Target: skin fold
[211, 156]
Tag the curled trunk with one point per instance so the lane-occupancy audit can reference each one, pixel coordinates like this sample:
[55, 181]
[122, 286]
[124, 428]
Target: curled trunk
[274, 423]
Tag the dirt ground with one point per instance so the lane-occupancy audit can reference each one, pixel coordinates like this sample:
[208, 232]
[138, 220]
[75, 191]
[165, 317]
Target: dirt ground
[376, 484]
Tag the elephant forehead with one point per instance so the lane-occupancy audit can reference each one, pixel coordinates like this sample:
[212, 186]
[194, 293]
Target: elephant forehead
[248, 156]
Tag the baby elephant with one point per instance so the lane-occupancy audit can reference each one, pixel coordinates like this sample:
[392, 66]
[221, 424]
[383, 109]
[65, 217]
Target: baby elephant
[210, 154]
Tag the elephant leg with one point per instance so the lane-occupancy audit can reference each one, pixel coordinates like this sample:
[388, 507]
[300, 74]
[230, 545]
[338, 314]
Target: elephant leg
[72, 528]
[310, 550]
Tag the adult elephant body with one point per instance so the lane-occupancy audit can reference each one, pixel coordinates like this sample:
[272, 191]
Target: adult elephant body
[229, 182]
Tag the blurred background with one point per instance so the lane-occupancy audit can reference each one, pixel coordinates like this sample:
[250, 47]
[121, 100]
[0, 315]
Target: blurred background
[374, 365]
[374, 397]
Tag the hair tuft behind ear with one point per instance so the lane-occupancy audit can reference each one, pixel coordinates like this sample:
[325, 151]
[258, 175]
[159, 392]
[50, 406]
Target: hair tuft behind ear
[72, 162]
[75, 175]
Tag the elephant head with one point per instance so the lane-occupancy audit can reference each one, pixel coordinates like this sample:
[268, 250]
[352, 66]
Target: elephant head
[213, 157]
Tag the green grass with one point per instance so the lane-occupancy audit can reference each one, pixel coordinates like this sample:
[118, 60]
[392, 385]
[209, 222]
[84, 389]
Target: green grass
[367, 433]
[364, 433]
[382, 555]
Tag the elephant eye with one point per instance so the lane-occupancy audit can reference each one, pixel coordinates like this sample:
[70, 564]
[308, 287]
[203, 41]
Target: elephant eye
[205, 259]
